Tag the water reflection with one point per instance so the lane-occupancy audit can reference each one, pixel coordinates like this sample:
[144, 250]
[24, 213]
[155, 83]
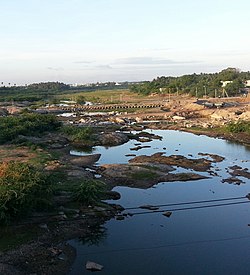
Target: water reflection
[96, 236]
[202, 241]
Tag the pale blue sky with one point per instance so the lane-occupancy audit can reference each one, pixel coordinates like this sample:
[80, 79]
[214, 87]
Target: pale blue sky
[81, 41]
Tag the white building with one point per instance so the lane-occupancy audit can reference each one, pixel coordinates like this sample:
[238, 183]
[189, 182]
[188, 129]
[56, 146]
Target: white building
[224, 83]
[247, 83]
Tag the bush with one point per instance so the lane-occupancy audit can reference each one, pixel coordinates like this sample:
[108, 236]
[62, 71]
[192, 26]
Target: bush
[238, 127]
[79, 134]
[26, 124]
[89, 192]
[22, 189]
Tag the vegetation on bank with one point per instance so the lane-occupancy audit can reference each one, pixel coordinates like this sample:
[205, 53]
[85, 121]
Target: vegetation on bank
[23, 188]
[79, 134]
[26, 124]
[89, 192]
[238, 127]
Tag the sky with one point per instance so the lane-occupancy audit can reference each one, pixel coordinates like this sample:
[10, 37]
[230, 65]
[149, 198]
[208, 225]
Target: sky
[83, 41]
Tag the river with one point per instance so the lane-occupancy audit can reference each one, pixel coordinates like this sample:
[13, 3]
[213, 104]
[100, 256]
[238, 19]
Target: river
[198, 238]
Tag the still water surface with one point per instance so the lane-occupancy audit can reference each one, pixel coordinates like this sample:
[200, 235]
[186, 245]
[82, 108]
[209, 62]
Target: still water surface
[212, 240]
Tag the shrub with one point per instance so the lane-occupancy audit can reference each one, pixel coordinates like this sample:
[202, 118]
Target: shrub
[238, 127]
[22, 189]
[26, 124]
[79, 134]
[89, 192]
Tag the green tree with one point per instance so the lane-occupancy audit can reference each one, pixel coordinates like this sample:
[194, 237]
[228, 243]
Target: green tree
[233, 88]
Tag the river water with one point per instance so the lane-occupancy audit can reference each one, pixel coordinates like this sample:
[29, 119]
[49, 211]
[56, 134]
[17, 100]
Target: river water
[205, 240]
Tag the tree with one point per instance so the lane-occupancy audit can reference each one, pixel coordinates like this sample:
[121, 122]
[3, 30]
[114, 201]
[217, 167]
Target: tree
[229, 74]
[233, 88]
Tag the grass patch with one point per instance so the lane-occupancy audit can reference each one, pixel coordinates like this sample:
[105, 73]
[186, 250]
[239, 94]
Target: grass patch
[143, 175]
[106, 96]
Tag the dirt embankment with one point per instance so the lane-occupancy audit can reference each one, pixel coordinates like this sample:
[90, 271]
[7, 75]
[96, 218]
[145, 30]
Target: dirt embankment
[187, 114]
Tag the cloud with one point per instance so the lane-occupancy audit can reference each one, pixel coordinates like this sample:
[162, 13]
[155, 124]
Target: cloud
[96, 67]
[83, 62]
[150, 61]
[55, 69]
[103, 67]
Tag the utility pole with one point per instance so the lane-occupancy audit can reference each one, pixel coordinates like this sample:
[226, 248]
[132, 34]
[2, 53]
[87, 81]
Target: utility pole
[215, 93]
[205, 90]
[196, 92]
[169, 94]
[223, 92]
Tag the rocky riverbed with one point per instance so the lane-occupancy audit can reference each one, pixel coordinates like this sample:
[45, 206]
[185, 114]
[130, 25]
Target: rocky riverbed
[47, 252]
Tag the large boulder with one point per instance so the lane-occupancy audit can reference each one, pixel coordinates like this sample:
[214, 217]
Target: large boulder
[112, 139]
[83, 161]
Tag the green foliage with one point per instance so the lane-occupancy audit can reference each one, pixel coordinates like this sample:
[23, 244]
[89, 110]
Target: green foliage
[89, 192]
[78, 134]
[80, 99]
[33, 92]
[48, 86]
[195, 84]
[22, 189]
[239, 127]
[233, 88]
[229, 74]
[26, 124]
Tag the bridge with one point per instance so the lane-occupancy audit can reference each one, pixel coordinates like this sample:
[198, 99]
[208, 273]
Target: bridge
[99, 107]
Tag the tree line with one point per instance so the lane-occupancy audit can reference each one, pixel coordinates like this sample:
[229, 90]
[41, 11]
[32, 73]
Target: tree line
[208, 84]
[32, 92]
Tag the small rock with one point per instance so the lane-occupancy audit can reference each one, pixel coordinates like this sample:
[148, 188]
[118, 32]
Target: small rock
[62, 257]
[167, 214]
[93, 266]
[119, 217]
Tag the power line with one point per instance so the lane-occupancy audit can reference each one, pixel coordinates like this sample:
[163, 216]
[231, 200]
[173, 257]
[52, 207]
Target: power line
[144, 212]
[191, 202]
[169, 245]
[188, 208]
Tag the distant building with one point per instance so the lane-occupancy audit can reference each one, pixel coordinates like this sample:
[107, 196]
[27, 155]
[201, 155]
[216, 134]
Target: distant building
[247, 83]
[224, 83]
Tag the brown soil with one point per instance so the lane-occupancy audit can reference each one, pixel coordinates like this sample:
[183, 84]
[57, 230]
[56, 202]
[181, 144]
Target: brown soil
[20, 154]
